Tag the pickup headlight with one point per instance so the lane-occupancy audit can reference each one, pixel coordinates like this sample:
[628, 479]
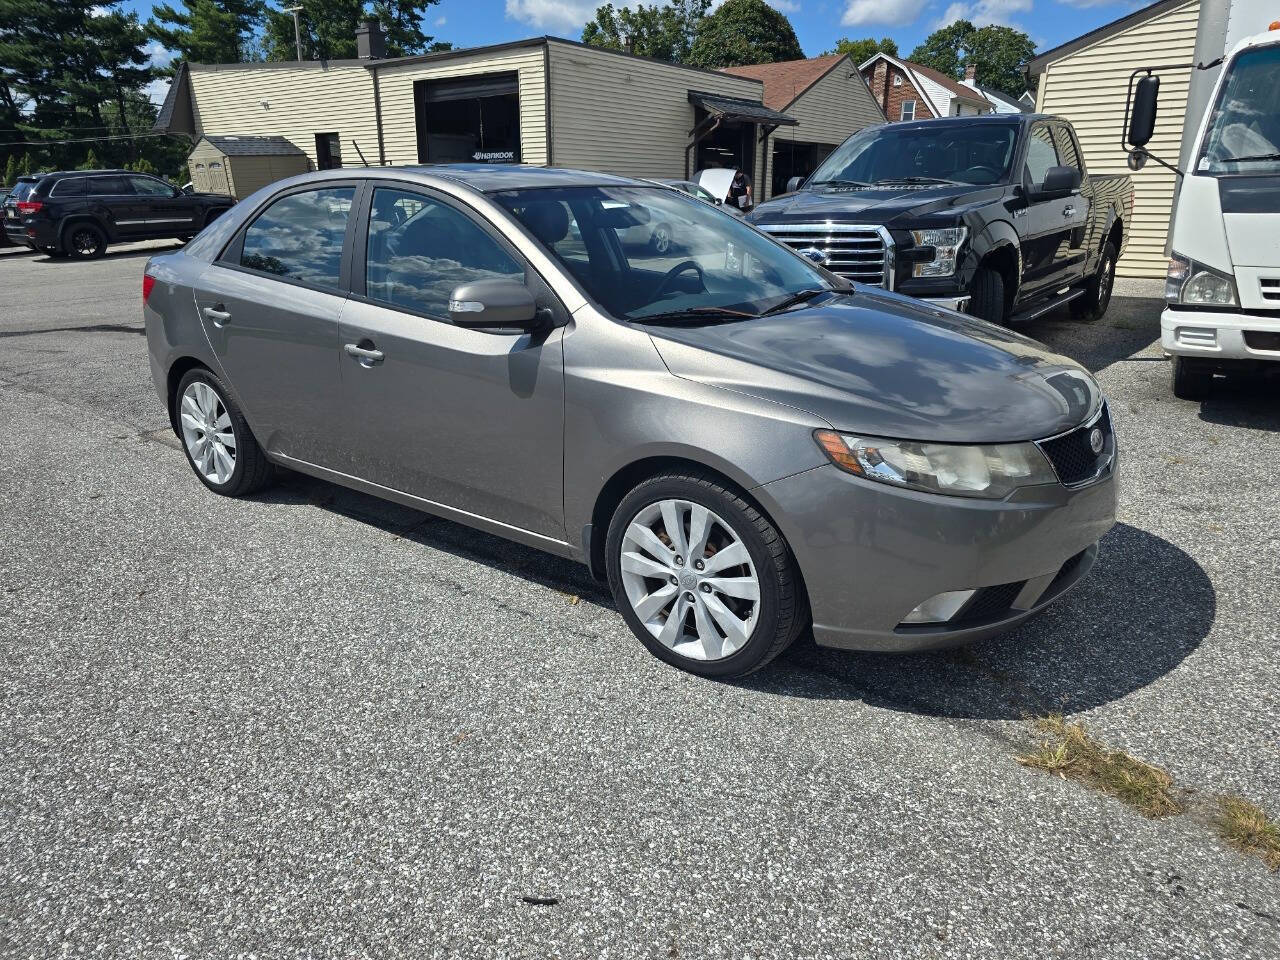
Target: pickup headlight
[991, 471]
[946, 243]
[1194, 284]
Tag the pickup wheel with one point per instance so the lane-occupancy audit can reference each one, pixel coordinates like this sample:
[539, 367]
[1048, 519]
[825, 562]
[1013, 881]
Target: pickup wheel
[986, 295]
[1097, 292]
[1192, 378]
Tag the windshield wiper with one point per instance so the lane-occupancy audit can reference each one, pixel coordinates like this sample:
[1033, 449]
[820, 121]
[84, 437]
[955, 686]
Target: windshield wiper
[916, 180]
[840, 183]
[1260, 156]
[695, 314]
[800, 296]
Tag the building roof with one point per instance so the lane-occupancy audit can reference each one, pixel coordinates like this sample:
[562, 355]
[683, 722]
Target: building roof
[785, 81]
[737, 108]
[1038, 64]
[238, 146]
[1018, 103]
[916, 71]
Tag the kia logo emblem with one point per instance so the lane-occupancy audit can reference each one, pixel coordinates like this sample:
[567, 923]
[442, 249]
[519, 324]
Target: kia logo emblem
[1096, 440]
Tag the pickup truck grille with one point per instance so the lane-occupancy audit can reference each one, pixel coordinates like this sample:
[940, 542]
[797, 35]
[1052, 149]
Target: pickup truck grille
[857, 252]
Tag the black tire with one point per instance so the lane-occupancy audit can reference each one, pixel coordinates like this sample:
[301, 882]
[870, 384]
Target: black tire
[1097, 292]
[1192, 378]
[252, 471]
[783, 610]
[84, 240]
[660, 239]
[986, 296]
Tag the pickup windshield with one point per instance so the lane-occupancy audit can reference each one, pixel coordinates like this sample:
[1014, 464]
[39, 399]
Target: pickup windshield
[1244, 131]
[649, 254]
[969, 153]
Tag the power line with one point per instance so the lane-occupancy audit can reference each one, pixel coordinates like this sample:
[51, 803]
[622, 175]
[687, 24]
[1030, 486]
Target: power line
[57, 143]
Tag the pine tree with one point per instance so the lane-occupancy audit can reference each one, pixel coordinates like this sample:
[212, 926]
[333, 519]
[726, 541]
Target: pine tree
[328, 29]
[90, 161]
[207, 31]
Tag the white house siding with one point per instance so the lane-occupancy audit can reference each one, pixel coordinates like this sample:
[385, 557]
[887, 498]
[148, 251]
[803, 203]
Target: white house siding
[294, 101]
[395, 86]
[831, 110]
[628, 116]
[1088, 87]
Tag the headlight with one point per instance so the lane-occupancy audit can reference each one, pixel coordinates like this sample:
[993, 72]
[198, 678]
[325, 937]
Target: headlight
[1195, 284]
[946, 243]
[979, 470]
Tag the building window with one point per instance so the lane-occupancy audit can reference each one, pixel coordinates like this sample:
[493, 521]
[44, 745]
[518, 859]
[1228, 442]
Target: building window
[908, 110]
[897, 79]
[328, 151]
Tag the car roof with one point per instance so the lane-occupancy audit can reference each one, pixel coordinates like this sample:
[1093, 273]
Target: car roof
[483, 177]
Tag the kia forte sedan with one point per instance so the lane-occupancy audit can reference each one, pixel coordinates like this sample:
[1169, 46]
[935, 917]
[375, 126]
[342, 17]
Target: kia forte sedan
[741, 443]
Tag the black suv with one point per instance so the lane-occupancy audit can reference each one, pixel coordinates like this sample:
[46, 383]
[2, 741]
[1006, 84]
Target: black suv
[77, 213]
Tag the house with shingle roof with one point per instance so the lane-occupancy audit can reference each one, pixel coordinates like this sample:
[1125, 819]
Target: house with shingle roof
[906, 90]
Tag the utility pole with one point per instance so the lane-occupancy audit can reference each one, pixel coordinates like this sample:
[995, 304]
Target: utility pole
[297, 31]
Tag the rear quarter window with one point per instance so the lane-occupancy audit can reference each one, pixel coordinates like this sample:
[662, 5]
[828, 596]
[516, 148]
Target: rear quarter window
[70, 187]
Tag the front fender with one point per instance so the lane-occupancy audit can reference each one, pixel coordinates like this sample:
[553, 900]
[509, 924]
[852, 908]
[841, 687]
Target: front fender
[998, 236]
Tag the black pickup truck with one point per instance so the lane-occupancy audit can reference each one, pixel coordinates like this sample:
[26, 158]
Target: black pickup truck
[77, 213]
[996, 215]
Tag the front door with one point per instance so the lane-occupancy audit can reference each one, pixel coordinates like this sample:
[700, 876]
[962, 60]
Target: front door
[270, 308]
[470, 420]
[1045, 226]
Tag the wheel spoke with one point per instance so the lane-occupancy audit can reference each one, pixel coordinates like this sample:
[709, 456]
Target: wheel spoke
[671, 630]
[655, 601]
[223, 422]
[734, 629]
[744, 588]
[673, 520]
[699, 529]
[226, 438]
[708, 636]
[633, 562]
[190, 407]
[647, 540]
[224, 460]
[191, 422]
[731, 556]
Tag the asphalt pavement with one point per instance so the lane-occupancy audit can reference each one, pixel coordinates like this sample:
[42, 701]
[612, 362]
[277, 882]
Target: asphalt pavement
[312, 724]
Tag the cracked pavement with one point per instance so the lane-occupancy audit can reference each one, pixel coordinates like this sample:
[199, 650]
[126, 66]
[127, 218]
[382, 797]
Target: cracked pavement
[315, 724]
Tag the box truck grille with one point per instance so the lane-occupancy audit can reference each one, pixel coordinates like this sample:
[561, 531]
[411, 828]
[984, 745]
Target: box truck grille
[860, 253]
[1270, 288]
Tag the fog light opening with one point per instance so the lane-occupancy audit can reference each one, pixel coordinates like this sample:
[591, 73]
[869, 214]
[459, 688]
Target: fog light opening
[940, 608]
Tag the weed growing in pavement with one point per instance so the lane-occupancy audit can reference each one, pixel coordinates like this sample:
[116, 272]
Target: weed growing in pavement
[1247, 828]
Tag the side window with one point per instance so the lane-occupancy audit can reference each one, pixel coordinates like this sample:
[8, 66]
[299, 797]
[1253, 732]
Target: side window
[109, 187]
[1041, 155]
[70, 187]
[300, 236]
[1067, 149]
[908, 110]
[150, 187]
[420, 249]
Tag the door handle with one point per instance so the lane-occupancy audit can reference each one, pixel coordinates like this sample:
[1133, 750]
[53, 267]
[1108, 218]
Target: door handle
[217, 314]
[1069, 210]
[363, 354]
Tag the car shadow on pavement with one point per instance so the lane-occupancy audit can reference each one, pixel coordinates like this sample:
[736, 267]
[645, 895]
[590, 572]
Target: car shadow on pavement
[1144, 607]
[1130, 326]
[45, 259]
[1243, 400]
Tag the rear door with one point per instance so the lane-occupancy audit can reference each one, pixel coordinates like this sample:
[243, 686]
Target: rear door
[468, 419]
[270, 306]
[111, 198]
[1044, 225]
[168, 212]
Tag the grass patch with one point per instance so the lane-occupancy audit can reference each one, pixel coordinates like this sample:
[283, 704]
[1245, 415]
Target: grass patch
[1245, 826]
[1067, 749]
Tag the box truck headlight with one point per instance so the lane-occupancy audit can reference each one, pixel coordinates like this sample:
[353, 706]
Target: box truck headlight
[1194, 284]
[946, 243]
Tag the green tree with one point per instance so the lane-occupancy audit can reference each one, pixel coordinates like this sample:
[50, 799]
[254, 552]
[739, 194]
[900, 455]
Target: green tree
[90, 161]
[999, 54]
[207, 31]
[744, 32]
[10, 171]
[866, 48]
[661, 32]
[328, 29]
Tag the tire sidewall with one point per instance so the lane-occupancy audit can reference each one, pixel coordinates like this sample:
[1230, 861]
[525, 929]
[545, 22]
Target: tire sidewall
[730, 509]
[239, 429]
[977, 293]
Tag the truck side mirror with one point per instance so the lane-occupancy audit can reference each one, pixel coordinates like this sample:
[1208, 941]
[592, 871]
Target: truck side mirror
[1142, 119]
[1058, 182]
[794, 184]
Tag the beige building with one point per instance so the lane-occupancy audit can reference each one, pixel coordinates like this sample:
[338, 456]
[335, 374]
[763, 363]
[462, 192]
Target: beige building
[1087, 81]
[544, 101]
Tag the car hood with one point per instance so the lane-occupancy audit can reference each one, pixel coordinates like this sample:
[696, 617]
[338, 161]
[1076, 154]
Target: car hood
[886, 365]
[874, 205]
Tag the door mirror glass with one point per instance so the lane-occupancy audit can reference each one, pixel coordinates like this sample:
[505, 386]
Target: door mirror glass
[1142, 119]
[500, 303]
[1058, 182]
[794, 184]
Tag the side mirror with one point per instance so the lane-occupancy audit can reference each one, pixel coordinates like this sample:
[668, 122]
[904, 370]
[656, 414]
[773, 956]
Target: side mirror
[495, 304]
[1058, 182]
[1142, 119]
[794, 184]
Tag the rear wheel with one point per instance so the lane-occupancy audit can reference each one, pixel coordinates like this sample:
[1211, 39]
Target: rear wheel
[219, 445]
[1192, 378]
[702, 578]
[1097, 292]
[986, 295]
[84, 241]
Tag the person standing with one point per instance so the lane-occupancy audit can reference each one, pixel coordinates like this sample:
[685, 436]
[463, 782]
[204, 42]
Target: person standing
[740, 191]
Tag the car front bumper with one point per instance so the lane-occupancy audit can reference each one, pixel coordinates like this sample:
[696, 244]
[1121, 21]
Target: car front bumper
[1218, 335]
[870, 554]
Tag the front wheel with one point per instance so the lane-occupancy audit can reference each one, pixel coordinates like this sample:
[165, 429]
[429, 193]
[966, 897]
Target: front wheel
[216, 437]
[986, 295]
[702, 578]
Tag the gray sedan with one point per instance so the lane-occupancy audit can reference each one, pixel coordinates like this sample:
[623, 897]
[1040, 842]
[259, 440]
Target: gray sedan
[744, 445]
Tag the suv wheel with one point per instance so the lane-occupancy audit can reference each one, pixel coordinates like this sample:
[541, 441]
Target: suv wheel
[702, 578]
[219, 445]
[1192, 378]
[84, 241]
[1097, 292]
[986, 295]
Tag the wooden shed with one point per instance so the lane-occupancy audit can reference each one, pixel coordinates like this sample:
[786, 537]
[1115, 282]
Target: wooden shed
[239, 165]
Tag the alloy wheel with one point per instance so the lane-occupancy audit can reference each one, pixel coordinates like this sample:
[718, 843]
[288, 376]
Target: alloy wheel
[690, 579]
[1104, 283]
[662, 239]
[84, 242]
[207, 432]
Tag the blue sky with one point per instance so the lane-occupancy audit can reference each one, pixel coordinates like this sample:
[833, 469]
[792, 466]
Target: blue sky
[818, 23]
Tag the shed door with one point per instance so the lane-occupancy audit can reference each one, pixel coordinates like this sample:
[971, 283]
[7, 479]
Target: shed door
[469, 119]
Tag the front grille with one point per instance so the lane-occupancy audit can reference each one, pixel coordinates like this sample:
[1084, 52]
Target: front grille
[1270, 288]
[861, 253]
[1072, 456]
[990, 603]
[1262, 340]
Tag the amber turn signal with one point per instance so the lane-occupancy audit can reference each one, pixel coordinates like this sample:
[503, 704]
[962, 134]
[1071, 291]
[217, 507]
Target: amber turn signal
[834, 446]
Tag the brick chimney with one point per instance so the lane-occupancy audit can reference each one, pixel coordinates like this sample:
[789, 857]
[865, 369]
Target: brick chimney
[970, 73]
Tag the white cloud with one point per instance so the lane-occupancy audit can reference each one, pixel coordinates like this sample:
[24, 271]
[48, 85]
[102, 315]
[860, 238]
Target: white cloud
[983, 12]
[157, 54]
[786, 6]
[441, 21]
[157, 90]
[553, 14]
[861, 12]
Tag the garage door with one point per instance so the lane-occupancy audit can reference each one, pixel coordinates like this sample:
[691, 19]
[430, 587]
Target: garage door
[468, 119]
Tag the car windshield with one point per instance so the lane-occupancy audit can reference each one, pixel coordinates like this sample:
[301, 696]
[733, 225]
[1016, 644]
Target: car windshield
[646, 252]
[972, 153]
[1244, 131]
